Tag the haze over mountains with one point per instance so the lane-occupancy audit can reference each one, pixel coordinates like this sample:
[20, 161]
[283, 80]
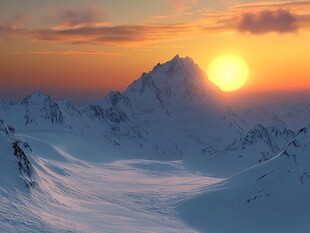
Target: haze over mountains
[173, 126]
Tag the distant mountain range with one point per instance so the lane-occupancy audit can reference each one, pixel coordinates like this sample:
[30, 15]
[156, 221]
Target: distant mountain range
[172, 112]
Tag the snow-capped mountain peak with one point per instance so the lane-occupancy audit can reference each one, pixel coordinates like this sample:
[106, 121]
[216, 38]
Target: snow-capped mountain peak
[41, 104]
[116, 99]
[177, 83]
[36, 98]
[272, 136]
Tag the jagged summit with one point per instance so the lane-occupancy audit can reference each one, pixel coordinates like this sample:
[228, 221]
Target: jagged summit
[41, 105]
[179, 82]
[36, 98]
[269, 135]
[178, 71]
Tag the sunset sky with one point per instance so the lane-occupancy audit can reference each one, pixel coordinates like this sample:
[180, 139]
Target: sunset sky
[80, 49]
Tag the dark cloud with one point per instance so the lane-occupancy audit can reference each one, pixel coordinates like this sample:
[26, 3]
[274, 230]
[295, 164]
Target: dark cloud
[280, 21]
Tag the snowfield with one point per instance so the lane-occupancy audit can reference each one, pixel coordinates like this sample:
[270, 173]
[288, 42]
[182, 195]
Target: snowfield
[76, 195]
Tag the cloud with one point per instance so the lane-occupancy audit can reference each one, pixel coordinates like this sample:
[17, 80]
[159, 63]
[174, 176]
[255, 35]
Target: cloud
[66, 52]
[7, 28]
[280, 21]
[80, 16]
[120, 35]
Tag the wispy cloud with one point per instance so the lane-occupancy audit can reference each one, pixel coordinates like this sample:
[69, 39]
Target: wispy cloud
[280, 21]
[124, 35]
[67, 52]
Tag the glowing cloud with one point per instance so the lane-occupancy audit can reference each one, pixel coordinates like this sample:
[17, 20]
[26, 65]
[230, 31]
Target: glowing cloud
[280, 21]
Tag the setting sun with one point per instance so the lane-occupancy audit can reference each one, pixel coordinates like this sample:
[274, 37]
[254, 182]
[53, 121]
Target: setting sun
[229, 72]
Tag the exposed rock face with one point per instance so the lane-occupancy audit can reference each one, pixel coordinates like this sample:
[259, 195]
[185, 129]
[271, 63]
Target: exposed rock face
[112, 114]
[13, 153]
[24, 166]
[275, 137]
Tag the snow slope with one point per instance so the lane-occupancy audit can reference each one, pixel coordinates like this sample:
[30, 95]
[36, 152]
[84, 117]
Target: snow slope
[258, 145]
[271, 197]
[76, 195]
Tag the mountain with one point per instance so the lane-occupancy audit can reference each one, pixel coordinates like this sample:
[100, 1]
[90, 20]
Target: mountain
[118, 101]
[41, 105]
[175, 84]
[165, 113]
[16, 170]
[258, 145]
[40, 111]
[37, 111]
[178, 108]
[270, 197]
[112, 113]
[171, 112]
[293, 116]
[253, 116]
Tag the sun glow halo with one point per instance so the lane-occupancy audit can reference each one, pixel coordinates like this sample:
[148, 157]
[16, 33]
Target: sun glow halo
[229, 72]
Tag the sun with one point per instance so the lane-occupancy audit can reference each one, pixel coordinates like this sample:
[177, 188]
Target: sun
[229, 72]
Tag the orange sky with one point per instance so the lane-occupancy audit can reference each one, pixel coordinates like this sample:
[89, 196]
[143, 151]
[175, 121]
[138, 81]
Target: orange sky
[82, 50]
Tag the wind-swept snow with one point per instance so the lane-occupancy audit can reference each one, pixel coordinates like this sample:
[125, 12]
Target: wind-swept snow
[79, 196]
